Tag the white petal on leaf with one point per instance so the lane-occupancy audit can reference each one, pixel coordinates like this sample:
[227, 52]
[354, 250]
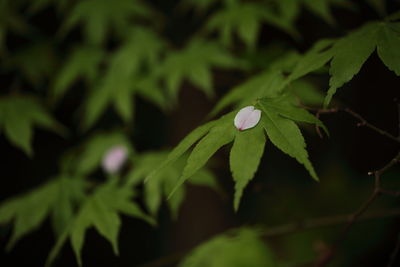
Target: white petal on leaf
[247, 118]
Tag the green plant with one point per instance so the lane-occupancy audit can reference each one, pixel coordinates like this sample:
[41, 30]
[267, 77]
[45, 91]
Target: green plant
[111, 57]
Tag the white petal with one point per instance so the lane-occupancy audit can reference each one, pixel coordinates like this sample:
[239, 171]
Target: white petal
[114, 159]
[247, 118]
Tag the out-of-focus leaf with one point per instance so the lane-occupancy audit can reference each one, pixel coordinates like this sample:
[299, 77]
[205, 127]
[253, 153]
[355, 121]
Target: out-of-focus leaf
[82, 63]
[194, 63]
[281, 20]
[394, 16]
[38, 5]
[379, 6]
[242, 247]
[101, 211]
[161, 184]
[28, 211]
[123, 77]
[99, 17]
[10, 21]
[321, 9]
[70, 192]
[89, 156]
[268, 83]
[307, 93]
[19, 114]
[199, 6]
[182, 147]
[35, 61]
[243, 18]
[313, 60]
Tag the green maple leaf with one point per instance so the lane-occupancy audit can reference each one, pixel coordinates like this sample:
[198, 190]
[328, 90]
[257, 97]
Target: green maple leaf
[307, 93]
[239, 247]
[283, 18]
[99, 17]
[388, 46]
[194, 63]
[350, 53]
[282, 105]
[220, 134]
[27, 212]
[313, 60]
[10, 21]
[241, 18]
[39, 5]
[286, 135]
[268, 83]
[19, 114]
[161, 184]
[182, 147]
[101, 211]
[123, 78]
[245, 157]
[35, 61]
[212, 135]
[199, 6]
[83, 63]
[277, 120]
[321, 9]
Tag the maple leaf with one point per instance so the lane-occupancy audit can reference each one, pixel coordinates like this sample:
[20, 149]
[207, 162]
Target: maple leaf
[99, 17]
[19, 114]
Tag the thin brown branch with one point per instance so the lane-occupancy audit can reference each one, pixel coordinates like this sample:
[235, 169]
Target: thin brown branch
[348, 219]
[377, 191]
[289, 228]
[324, 222]
[365, 123]
[362, 121]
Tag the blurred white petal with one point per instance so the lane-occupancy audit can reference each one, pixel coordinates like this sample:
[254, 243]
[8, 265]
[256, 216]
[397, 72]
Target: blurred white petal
[114, 159]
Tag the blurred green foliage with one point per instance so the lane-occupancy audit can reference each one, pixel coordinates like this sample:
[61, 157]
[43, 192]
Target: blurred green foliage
[108, 57]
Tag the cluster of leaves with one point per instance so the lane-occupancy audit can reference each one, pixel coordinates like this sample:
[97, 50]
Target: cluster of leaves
[122, 55]
[74, 205]
[270, 91]
[246, 18]
[277, 120]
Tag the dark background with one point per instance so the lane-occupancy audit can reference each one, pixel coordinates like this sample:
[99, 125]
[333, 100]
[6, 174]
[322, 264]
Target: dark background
[281, 191]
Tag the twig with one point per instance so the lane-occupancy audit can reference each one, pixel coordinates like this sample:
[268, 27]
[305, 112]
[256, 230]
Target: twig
[377, 191]
[363, 122]
[349, 219]
[324, 221]
[318, 114]
[288, 228]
